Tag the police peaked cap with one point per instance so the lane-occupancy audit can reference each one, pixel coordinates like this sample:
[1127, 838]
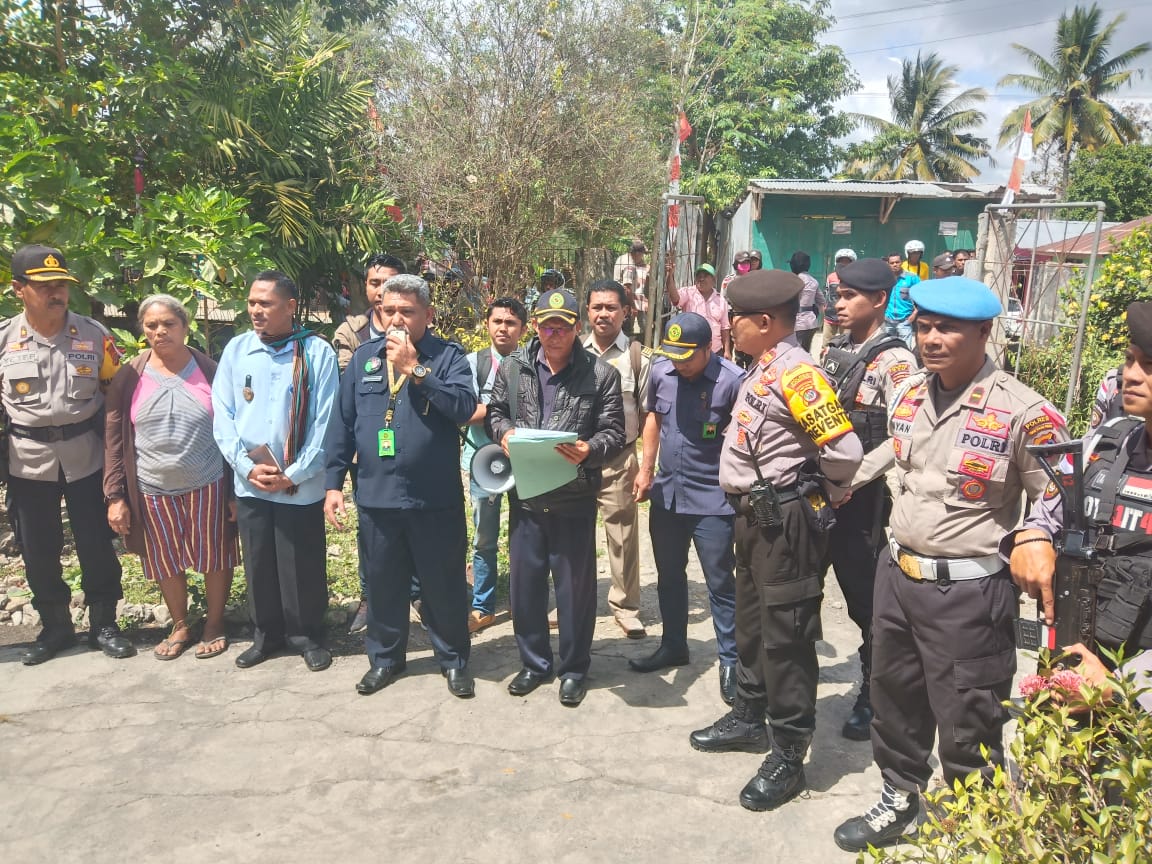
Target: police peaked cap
[763, 289]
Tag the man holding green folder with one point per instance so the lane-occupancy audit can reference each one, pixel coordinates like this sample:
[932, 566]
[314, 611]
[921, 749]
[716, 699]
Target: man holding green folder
[555, 384]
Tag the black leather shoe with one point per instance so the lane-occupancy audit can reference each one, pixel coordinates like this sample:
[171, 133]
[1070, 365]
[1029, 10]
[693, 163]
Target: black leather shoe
[572, 691]
[460, 683]
[858, 726]
[111, 641]
[661, 658]
[728, 684]
[317, 659]
[779, 780]
[526, 681]
[732, 733]
[377, 678]
[254, 656]
[47, 645]
[884, 824]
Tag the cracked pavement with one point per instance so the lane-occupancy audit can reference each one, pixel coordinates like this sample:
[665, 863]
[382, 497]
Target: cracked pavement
[138, 760]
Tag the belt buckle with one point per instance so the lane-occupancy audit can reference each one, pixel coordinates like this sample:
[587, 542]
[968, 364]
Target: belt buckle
[909, 566]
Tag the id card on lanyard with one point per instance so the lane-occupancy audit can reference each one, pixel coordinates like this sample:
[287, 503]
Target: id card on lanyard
[386, 437]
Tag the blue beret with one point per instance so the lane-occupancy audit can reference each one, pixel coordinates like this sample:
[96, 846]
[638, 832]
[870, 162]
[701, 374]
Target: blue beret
[956, 297]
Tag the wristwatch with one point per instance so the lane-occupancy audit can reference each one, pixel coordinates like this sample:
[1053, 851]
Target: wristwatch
[420, 372]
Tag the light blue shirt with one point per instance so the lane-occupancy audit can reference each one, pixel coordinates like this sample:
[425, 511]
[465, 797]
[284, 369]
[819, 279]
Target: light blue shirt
[240, 424]
[475, 436]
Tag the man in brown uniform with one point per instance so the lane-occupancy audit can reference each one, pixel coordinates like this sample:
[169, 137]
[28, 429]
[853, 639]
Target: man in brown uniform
[788, 426]
[867, 365]
[943, 647]
[54, 366]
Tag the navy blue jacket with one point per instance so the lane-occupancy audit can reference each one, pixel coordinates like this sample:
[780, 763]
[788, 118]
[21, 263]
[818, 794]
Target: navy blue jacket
[425, 472]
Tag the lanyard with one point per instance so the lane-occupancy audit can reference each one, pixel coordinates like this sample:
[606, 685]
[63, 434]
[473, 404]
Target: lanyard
[394, 385]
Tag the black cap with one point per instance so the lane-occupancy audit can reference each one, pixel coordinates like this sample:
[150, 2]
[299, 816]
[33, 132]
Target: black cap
[867, 274]
[763, 289]
[38, 263]
[1140, 326]
[943, 261]
[556, 303]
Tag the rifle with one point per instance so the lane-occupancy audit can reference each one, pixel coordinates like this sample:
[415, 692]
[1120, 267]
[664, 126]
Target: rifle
[1078, 569]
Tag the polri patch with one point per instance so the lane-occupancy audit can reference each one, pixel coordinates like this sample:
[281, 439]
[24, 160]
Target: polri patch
[973, 490]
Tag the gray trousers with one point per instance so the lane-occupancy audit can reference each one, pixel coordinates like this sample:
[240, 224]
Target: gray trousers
[943, 657]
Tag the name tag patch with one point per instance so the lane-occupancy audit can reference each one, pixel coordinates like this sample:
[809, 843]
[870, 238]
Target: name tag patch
[1139, 488]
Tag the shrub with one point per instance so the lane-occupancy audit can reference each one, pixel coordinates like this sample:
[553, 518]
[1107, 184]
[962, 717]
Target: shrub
[1045, 368]
[1083, 794]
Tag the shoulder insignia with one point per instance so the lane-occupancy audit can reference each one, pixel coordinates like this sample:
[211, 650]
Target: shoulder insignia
[645, 351]
[975, 396]
[1051, 491]
[73, 330]
[767, 357]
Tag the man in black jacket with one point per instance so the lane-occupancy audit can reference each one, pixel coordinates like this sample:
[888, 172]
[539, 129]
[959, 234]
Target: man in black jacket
[555, 383]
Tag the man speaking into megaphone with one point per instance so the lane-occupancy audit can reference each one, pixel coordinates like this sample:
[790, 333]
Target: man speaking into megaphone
[554, 383]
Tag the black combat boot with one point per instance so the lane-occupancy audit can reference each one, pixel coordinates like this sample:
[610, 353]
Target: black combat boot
[858, 726]
[883, 825]
[57, 635]
[740, 729]
[780, 778]
[104, 633]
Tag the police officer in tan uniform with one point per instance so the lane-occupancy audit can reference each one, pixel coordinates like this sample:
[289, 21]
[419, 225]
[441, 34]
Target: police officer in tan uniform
[788, 455]
[867, 365]
[54, 366]
[943, 646]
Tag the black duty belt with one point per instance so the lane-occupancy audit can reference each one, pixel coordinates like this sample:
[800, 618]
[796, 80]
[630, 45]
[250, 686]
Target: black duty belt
[741, 504]
[53, 434]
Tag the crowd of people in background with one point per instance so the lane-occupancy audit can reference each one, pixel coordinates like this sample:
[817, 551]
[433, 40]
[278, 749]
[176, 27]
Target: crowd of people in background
[773, 472]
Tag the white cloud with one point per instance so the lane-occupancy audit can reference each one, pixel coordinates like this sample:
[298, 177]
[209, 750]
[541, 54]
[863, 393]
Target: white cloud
[977, 37]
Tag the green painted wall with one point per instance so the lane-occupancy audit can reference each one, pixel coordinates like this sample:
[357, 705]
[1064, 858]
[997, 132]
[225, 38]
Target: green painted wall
[790, 223]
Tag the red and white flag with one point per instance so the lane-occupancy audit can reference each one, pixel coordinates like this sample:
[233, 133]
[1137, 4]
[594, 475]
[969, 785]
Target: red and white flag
[683, 130]
[1023, 157]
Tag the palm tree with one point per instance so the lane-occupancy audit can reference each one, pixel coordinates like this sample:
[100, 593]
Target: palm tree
[926, 138]
[1070, 84]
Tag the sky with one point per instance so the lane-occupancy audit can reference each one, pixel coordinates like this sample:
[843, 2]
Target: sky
[976, 36]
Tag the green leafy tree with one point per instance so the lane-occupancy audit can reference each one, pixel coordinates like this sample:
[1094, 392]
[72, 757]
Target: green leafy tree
[927, 137]
[757, 87]
[1072, 85]
[1120, 175]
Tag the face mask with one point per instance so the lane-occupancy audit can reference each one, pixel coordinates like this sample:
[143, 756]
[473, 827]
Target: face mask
[743, 266]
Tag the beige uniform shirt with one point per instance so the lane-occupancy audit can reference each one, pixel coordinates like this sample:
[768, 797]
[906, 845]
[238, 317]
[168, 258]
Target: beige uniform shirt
[634, 387]
[348, 337]
[882, 380]
[961, 470]
[785, 414]
[55, 382]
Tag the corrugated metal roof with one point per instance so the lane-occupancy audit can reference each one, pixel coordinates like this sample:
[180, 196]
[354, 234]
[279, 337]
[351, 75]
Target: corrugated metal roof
[1037, 232]
[893, 189]
[1081, 247]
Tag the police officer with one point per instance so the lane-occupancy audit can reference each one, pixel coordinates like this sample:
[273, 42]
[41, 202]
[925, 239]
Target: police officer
[402, 402]
[790, 451]
[690, 400]
[943, 643]
[54, 366]
[1107, 405]
[867, 365]
[555, 383]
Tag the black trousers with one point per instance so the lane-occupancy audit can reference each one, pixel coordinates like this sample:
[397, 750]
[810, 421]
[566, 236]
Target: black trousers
[943, 658]
[854, 547]
[286, 568]
[401, 547]
[565, 545]
[34, 509]
[779, 586]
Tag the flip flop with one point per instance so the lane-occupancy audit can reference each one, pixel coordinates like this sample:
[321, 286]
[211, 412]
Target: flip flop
[181, 645]
[212, 652]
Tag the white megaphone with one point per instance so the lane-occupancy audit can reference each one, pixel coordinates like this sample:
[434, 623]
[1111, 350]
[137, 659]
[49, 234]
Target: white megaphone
[492, 470]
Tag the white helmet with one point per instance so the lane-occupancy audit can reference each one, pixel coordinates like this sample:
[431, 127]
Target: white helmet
[844, 253]
[913, 246]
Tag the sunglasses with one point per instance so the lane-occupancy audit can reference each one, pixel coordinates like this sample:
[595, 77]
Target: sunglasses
[550, 330]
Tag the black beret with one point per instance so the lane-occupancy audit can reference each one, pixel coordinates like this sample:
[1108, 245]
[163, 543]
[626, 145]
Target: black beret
[867, 274]
[763, 289]
[1140, 326]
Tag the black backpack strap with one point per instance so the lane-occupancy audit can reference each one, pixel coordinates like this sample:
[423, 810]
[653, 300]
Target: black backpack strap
[847, 368]
[483, 369]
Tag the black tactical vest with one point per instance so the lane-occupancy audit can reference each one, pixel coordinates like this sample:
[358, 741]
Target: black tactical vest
[846, 370]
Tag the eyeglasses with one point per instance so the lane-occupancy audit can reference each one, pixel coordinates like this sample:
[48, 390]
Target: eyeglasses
[733, 314]
[547, 330]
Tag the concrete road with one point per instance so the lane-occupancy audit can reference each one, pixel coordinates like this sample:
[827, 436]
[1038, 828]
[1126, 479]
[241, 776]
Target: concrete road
[198, 761]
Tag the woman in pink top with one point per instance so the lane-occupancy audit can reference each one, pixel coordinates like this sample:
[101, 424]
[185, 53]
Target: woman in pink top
[165, 481]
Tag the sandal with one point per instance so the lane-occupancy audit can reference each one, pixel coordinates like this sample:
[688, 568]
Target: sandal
[212, 652]
[176, 647]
